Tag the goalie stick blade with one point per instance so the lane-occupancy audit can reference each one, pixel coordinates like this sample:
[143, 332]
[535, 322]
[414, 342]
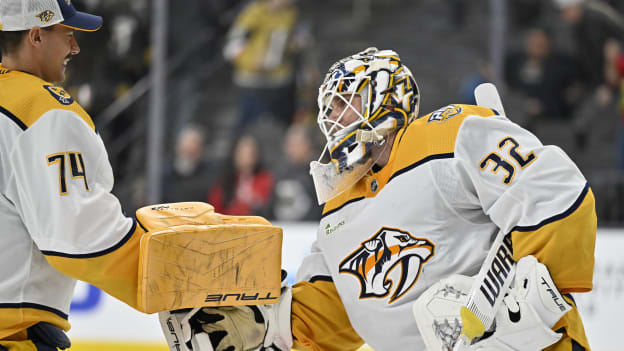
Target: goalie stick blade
[487, 95]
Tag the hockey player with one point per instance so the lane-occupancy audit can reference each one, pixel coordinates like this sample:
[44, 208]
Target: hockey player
[410, 201]
[58, 220]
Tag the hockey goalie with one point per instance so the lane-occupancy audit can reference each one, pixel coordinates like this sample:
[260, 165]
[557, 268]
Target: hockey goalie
[457, 229]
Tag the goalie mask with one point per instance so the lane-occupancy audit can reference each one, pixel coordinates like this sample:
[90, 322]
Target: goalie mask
[363, 99]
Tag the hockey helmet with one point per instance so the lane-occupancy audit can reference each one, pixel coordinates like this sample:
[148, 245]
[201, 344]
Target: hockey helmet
[363, 98]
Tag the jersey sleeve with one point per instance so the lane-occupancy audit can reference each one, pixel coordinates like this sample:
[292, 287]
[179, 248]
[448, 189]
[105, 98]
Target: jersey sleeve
[319, 319]
[62, 184]
[533, 191]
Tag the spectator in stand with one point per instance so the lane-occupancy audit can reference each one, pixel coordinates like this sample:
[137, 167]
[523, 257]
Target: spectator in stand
[294, 197]
[615, 75]
[189, 175]
[547, 79]
[526, 13]
[593, 23]
[245, 186]
[262, 45]
[598, 31]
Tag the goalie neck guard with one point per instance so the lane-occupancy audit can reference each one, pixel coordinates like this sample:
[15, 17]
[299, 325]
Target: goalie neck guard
[364, 98]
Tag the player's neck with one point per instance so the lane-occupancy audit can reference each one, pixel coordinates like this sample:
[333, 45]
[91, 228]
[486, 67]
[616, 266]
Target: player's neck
[21, 61]
[385, 151]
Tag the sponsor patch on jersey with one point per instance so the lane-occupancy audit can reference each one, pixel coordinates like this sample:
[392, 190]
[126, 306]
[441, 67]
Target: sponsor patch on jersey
[331, 229]
[444, 114]
[45, 16]
[377, 257]
[59, 94]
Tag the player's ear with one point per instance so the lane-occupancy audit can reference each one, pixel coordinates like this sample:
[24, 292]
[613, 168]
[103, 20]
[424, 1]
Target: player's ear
[34, 36]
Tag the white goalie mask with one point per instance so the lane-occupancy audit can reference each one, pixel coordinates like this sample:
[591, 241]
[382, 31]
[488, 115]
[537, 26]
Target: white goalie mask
[364, 98]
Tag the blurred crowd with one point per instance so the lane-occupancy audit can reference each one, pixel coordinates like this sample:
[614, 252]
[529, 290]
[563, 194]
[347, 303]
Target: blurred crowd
[567, 71]
[243, 77]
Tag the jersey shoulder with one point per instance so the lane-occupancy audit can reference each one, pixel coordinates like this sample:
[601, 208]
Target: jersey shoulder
[434, 135]
[428, 138]
[27, 98]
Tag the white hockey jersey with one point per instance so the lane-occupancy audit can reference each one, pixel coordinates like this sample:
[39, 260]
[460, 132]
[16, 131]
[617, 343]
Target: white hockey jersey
[57, 216]
[455, 178]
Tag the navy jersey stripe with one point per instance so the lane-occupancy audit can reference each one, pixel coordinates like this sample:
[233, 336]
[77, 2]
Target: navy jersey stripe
[343, 205]
[35, 306]
[575, 345]
[397, 173]
[554, 218]
[421, 162]
[99, 253]
[13, 118]
[323, 278]
[569, 296]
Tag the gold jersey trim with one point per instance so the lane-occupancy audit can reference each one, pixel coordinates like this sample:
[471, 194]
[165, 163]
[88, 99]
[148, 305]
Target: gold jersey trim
[27, 98]
[21, 316]
[564, 243]
[416, 144]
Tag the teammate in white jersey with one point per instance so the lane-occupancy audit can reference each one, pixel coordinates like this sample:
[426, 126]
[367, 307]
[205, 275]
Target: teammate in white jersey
[45, 211]
[58, 220]
[410, 201]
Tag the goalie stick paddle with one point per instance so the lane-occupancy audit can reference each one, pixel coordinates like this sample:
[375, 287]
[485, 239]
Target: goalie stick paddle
[487, 291]
[498, 269]
[487, 95]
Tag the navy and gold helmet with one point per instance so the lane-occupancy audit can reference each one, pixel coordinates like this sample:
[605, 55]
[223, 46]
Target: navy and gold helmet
[364, 98]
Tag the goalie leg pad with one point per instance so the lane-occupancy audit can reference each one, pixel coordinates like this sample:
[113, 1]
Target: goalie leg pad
[192, 257]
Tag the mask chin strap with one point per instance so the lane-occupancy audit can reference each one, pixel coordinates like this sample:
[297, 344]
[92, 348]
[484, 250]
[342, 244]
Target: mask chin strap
[377, 135]
[372, 136]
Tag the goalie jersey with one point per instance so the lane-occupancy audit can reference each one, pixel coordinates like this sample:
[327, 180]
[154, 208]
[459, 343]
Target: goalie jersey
[454, 179]
[58, 220]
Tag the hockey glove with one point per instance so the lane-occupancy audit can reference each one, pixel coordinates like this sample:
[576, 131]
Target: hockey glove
[523, 322]
[235, 328]
[530, 310]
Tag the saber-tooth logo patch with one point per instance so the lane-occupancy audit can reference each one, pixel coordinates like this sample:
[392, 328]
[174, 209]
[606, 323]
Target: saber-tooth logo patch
[45, 16]
[373, 261]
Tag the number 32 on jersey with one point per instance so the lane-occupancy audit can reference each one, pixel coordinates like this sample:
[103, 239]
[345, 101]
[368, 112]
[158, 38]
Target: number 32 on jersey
[76, 168]
[495, 162]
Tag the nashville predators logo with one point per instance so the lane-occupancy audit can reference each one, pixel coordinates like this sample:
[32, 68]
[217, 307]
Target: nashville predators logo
[374, 260]
[46, 16]
[59, 94]
[444, 114]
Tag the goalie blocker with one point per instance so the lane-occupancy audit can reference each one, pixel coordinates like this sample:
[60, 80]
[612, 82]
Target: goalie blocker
[191, 256]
